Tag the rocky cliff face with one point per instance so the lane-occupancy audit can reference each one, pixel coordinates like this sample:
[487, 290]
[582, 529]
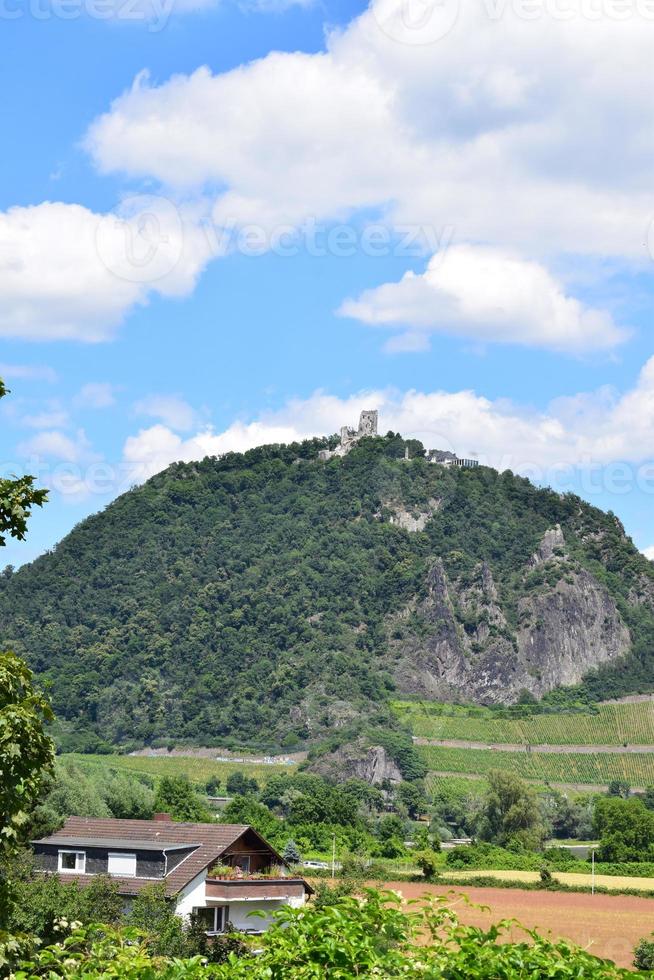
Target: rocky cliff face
[372, 764]
[463, 644]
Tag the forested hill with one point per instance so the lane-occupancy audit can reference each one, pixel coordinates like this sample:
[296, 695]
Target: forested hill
[271, 597]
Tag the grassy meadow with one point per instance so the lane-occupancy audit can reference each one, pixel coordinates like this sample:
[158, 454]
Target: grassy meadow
[198, 770]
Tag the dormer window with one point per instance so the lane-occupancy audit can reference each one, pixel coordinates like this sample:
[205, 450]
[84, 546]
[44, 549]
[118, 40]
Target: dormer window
[121, 864]
[72, 862]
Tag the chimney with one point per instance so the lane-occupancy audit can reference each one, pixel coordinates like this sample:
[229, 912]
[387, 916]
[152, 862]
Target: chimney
[163, 817]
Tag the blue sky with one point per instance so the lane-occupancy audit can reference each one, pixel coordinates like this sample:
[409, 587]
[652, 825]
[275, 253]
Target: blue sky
[231, 223]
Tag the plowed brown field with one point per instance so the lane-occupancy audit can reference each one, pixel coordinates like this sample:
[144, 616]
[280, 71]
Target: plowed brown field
[605, 925]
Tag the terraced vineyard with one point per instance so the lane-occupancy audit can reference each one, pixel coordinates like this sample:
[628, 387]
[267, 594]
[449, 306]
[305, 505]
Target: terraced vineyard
[636, 768]
[608, 724]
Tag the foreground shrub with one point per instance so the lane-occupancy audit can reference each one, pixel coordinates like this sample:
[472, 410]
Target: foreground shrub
[428, 862]
[369, 937]
[489, 857]
[644, 954]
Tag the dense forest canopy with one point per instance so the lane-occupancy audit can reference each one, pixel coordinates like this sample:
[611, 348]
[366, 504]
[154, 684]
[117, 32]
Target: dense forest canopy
[249, 597]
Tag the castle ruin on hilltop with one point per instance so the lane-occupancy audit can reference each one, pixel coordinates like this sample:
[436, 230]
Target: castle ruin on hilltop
[368, 421]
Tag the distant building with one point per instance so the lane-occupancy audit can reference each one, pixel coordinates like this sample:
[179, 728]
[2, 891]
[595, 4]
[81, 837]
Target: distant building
[445, 458]
[217, 872]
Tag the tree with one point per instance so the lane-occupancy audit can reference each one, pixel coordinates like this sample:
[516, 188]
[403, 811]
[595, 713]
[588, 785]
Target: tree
[412, 796]
[625, 829]
[291, 853]
[40, 902]
[176, 796]
[26, 752]
[247, 810]
[26, 757]
[619, 787]
[238, 784]
[153, 913]
[17, 497]
[390, 826]
[428, 863]
[570, 819]
[212, 785]
[511, 815]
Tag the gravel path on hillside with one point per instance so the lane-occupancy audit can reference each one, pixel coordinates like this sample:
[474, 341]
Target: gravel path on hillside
[461, 743]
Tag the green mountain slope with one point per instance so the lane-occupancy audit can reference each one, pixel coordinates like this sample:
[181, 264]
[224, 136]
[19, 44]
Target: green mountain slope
[271, 598]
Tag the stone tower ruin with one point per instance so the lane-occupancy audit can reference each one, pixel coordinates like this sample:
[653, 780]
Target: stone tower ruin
[368, 421]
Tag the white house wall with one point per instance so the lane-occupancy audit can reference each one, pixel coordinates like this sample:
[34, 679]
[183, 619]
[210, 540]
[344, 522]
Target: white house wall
[240, 918]
[192, 896]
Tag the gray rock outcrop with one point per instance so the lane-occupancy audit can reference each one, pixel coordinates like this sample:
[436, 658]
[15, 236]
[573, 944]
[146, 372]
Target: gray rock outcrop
[567, 623]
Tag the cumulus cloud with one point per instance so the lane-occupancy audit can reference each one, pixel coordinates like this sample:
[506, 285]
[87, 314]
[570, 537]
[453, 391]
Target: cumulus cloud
[649, 553]
[588, 430]
[487, 295]
[69, 274]
[502, 127]
[54, 444]
[152, 449]
[95, 394]
[171, 409]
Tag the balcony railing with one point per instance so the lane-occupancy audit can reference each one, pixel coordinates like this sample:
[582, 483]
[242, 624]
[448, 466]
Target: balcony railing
[254, 888]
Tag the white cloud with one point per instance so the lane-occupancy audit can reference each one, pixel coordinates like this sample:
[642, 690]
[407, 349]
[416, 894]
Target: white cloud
[69, 274]
[95, 394]
[151, 450]
[57, 445]
[487, 295]
[170, 409]
[504, 129]
[649, 553]
[589, 430]
[52, 418]
[28, 372]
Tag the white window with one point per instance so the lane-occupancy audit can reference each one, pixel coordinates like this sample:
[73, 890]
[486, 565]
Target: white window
[72, 862]
[121, 864]
[213, 919]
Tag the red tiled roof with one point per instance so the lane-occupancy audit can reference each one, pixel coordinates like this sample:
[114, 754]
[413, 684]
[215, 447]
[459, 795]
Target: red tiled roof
[212, 839]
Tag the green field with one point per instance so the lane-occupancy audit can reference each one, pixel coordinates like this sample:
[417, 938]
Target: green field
[198, 770]
[636, 768]
[608, 724]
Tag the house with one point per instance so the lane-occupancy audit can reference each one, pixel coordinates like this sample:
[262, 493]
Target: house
[445, 458]
[220, 872]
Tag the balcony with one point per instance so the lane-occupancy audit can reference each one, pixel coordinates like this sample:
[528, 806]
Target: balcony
[254, 888]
